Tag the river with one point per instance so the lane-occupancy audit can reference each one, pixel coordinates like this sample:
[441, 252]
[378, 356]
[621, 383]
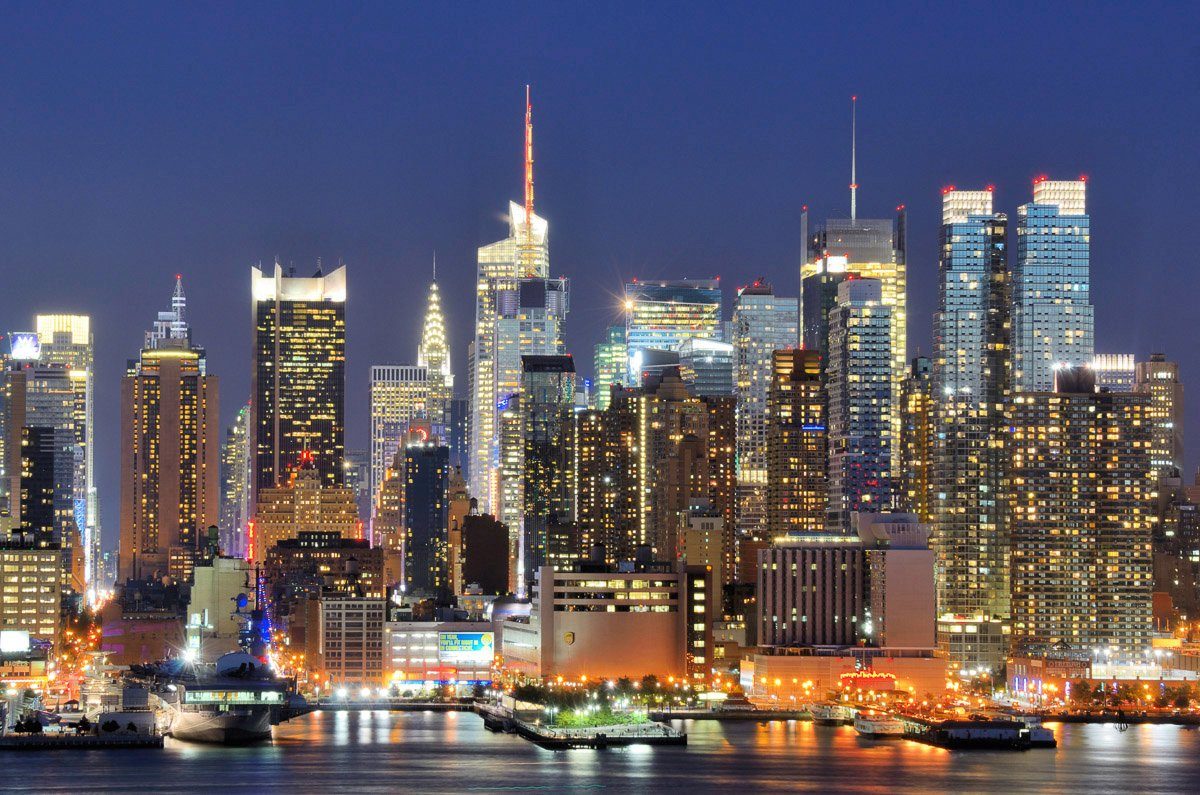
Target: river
[452, 752]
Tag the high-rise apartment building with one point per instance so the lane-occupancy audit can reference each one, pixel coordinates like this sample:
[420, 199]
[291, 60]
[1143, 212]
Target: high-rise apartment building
[611, 363]
[66, 341]
[298, 381]
[29, 587]
[519, 310]
[762, 324]
[1053, 318]
[971, 384]
[797, 446]
[1082, 513]
[917, 437]
[170, 453]
[861, 422]
[660, 315]
[1159, 379]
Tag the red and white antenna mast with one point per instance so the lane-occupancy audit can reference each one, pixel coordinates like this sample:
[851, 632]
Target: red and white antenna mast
[528, 167]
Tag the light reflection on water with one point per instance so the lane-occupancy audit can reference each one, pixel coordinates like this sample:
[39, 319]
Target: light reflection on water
[429, 752]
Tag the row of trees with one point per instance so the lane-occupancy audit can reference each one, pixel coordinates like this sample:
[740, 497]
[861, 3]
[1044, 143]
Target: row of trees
[1085, 694]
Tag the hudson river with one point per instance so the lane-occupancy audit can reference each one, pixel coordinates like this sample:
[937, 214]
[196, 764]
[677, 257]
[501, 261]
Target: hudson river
[426, 752]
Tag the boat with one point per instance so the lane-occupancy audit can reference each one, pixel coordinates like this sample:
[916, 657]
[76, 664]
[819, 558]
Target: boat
[878, 725]
[829, 713]
[976, 734]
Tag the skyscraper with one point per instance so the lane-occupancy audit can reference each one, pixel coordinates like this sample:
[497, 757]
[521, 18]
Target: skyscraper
[611, 363]
[66, 341]
[302, 503]
[662, 314]
[400, 395]
[1115, 372]
[298, 381]
[434, 355]
[170, 473]
[1159, 379]
[797, 446]
[915, 453]
[762, 324]
[707, 367]
[1082, 516]
[235, 484]
[861, 407]
[513, 288]
[1053, 318]
[971, 377]
[426, 537]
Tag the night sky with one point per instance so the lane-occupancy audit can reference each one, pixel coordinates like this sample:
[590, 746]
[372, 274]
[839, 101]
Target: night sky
[672, 140]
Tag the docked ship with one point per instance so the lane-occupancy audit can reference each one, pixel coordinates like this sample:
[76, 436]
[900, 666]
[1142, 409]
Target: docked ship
[878, 725]
[829, 713]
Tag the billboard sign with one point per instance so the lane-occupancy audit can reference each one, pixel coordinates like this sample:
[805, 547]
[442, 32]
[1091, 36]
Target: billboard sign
[26, 347]
[466, 647]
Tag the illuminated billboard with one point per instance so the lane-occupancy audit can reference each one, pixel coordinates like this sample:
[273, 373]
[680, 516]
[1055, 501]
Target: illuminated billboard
[466, 647]
[26, 347]
[14, 641]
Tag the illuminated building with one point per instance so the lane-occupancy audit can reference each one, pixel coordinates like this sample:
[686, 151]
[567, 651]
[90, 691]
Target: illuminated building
[611, 361]
[298, 383]
[787, 675]
[426, 654]
[459, 504]
[511, 483]
[662, 314]
[426, 536]
[1053, 318]
[319, 563]
[387, 527]
[66, 341]
[215, 586]
[1082, 513]
[819, 290]
[357, 478]
[35, 483]
[548, 471]
[1115, 372]
[797, 442]
[351, 632]
[399, 396]
[915, 455]
[972, 371]
[235, 484]
[512, 283]
[303, 503]
[170, 471]
[606, 475]
[859, 389]
[457, 435]
[29, 587]
[707, 367]
[701, 540]
[434, 355]
[762, 324]
[1159, 379]
[606, 622]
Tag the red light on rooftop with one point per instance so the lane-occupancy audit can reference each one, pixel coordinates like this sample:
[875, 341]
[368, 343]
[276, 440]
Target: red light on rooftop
[947, 189]
[990, 188]
[899, 208]
[854, 97]
[804, 207]
[179, 276]
[1083, 177]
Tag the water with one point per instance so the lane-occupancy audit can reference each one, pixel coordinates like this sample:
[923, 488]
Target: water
[428, 752]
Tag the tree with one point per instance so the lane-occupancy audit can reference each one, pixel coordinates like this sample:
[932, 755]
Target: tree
[1082, 693]
[110, 726]
[84, 726]
[131, 727]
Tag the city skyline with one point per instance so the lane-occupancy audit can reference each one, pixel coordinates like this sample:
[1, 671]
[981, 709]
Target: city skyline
[587, 155]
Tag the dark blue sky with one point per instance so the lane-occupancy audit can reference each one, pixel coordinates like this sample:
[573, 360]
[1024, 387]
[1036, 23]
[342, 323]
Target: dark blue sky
[672, 140]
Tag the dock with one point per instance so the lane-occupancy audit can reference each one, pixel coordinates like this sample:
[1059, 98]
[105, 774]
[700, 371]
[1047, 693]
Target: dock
[62, 742]
[554, 738]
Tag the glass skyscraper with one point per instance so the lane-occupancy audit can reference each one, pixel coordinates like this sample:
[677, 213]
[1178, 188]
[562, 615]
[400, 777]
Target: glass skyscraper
[1053, 317]
[762, 324]
[611, 363]
[662, 314]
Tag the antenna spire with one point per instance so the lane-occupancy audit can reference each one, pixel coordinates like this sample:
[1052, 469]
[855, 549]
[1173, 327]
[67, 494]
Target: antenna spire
[435, 266]
[528, 166]
[853, 157]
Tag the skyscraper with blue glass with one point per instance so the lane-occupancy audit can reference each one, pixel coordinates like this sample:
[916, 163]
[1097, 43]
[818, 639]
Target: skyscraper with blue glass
[1053, 317]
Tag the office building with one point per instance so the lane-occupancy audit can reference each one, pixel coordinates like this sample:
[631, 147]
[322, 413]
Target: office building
[611, 364]
[608, 622]
[399, 398]
[1115, 372]
[66, 341]
[662, 314]
[797, 446]
[972, 376]
[1082, 513]
[859, 390]
[235, 484]
[483, 555]
[351, 632]
[519, 267]
[426, 536]
[29, 587]
[433, 354]
[819, 291]
[303, 503]
[707, 367]
[298, 381]
[387, 527]
[762, 324]
[170, 461]
[1159, 379]
[1052, 317]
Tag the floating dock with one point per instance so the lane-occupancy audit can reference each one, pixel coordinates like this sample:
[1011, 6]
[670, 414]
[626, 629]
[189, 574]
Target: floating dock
[60, 742]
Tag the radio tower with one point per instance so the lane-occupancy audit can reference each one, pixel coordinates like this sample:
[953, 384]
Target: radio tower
[853, 157]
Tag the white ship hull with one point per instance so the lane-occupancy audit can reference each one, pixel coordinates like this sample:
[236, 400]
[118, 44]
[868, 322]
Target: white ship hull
[230, 728]
[879, 727]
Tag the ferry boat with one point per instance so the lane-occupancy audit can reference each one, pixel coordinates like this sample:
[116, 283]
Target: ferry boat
[829, 713]
[878, 725]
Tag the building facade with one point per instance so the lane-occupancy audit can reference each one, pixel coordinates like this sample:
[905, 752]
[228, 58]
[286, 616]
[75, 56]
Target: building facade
[797, 446]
